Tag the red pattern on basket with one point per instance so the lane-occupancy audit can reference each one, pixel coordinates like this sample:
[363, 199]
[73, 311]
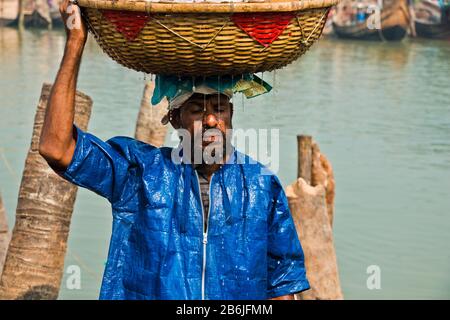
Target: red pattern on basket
[263, 27]
[128, 23]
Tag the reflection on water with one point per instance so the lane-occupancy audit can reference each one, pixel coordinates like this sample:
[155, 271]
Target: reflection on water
[381, 112]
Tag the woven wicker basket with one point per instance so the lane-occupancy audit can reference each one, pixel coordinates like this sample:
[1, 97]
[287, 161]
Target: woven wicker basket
[206, 37]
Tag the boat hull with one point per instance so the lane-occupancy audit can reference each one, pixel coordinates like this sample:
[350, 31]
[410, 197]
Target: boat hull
[432, 31]
[394, 33]
[6, 22]
[394, 20]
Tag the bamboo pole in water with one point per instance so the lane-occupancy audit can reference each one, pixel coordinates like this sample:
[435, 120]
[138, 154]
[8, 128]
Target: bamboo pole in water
[4, 235]
[149, 128]
[304, 157]
[21, 14]
[309, 205]
[35, 260]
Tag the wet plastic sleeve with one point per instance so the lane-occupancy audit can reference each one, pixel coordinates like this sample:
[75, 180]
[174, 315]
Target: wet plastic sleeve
[286, 265]
[97, 166]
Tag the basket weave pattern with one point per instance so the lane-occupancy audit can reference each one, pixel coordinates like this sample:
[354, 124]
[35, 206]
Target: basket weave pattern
[205, 43]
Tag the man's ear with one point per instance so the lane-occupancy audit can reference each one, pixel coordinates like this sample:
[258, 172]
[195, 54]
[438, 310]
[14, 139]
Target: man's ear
[174, 119]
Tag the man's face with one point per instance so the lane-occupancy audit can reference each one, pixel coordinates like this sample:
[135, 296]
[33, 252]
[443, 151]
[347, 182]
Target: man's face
[208, 116]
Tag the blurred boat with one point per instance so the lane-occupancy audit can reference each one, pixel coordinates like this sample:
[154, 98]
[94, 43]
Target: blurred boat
[54, 13]
[9, 10]
[328, 28]
[387, 20]
[37, 14]
[432, 19]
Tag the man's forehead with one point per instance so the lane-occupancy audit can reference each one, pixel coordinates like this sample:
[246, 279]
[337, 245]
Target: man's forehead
[215, 97]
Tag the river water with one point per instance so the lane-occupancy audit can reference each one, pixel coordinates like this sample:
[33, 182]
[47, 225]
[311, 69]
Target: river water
[380, 112]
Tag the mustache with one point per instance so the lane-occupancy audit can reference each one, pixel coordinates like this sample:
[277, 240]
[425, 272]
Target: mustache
[203, 134]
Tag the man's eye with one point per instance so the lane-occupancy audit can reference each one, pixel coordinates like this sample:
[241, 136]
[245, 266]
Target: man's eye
[221, 108]
[195, 108]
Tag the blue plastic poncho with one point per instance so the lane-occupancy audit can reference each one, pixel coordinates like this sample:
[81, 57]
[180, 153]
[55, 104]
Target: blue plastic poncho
[158, 249]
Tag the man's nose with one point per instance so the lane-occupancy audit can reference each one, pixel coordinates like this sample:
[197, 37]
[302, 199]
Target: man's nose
[210, 121]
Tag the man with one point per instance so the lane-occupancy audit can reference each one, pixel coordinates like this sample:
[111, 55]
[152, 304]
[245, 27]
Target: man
[181, 229]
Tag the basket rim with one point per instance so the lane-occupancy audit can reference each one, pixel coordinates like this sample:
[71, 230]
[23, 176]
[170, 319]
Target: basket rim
[163, 6]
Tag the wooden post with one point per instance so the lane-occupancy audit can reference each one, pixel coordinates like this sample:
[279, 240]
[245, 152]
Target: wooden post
[21, 15]
[149, 128]
[322, 174]
[35, 260]
[4, 235]
[308, 203]
[304, 157]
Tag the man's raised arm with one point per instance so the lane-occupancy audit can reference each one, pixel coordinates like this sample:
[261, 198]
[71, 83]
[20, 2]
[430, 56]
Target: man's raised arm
[57, 141]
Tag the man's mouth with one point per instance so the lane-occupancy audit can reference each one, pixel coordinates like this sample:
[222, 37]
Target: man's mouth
[211, 136]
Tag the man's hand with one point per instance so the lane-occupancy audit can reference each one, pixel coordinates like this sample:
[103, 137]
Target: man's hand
[75, 26]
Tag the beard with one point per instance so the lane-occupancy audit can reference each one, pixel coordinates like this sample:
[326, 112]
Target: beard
[211, 146]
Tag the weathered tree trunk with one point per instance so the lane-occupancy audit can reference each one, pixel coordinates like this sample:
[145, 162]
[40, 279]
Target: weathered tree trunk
[4, 235]
[311, 205]
[322, 174]
[149, 128]
[35, 260]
